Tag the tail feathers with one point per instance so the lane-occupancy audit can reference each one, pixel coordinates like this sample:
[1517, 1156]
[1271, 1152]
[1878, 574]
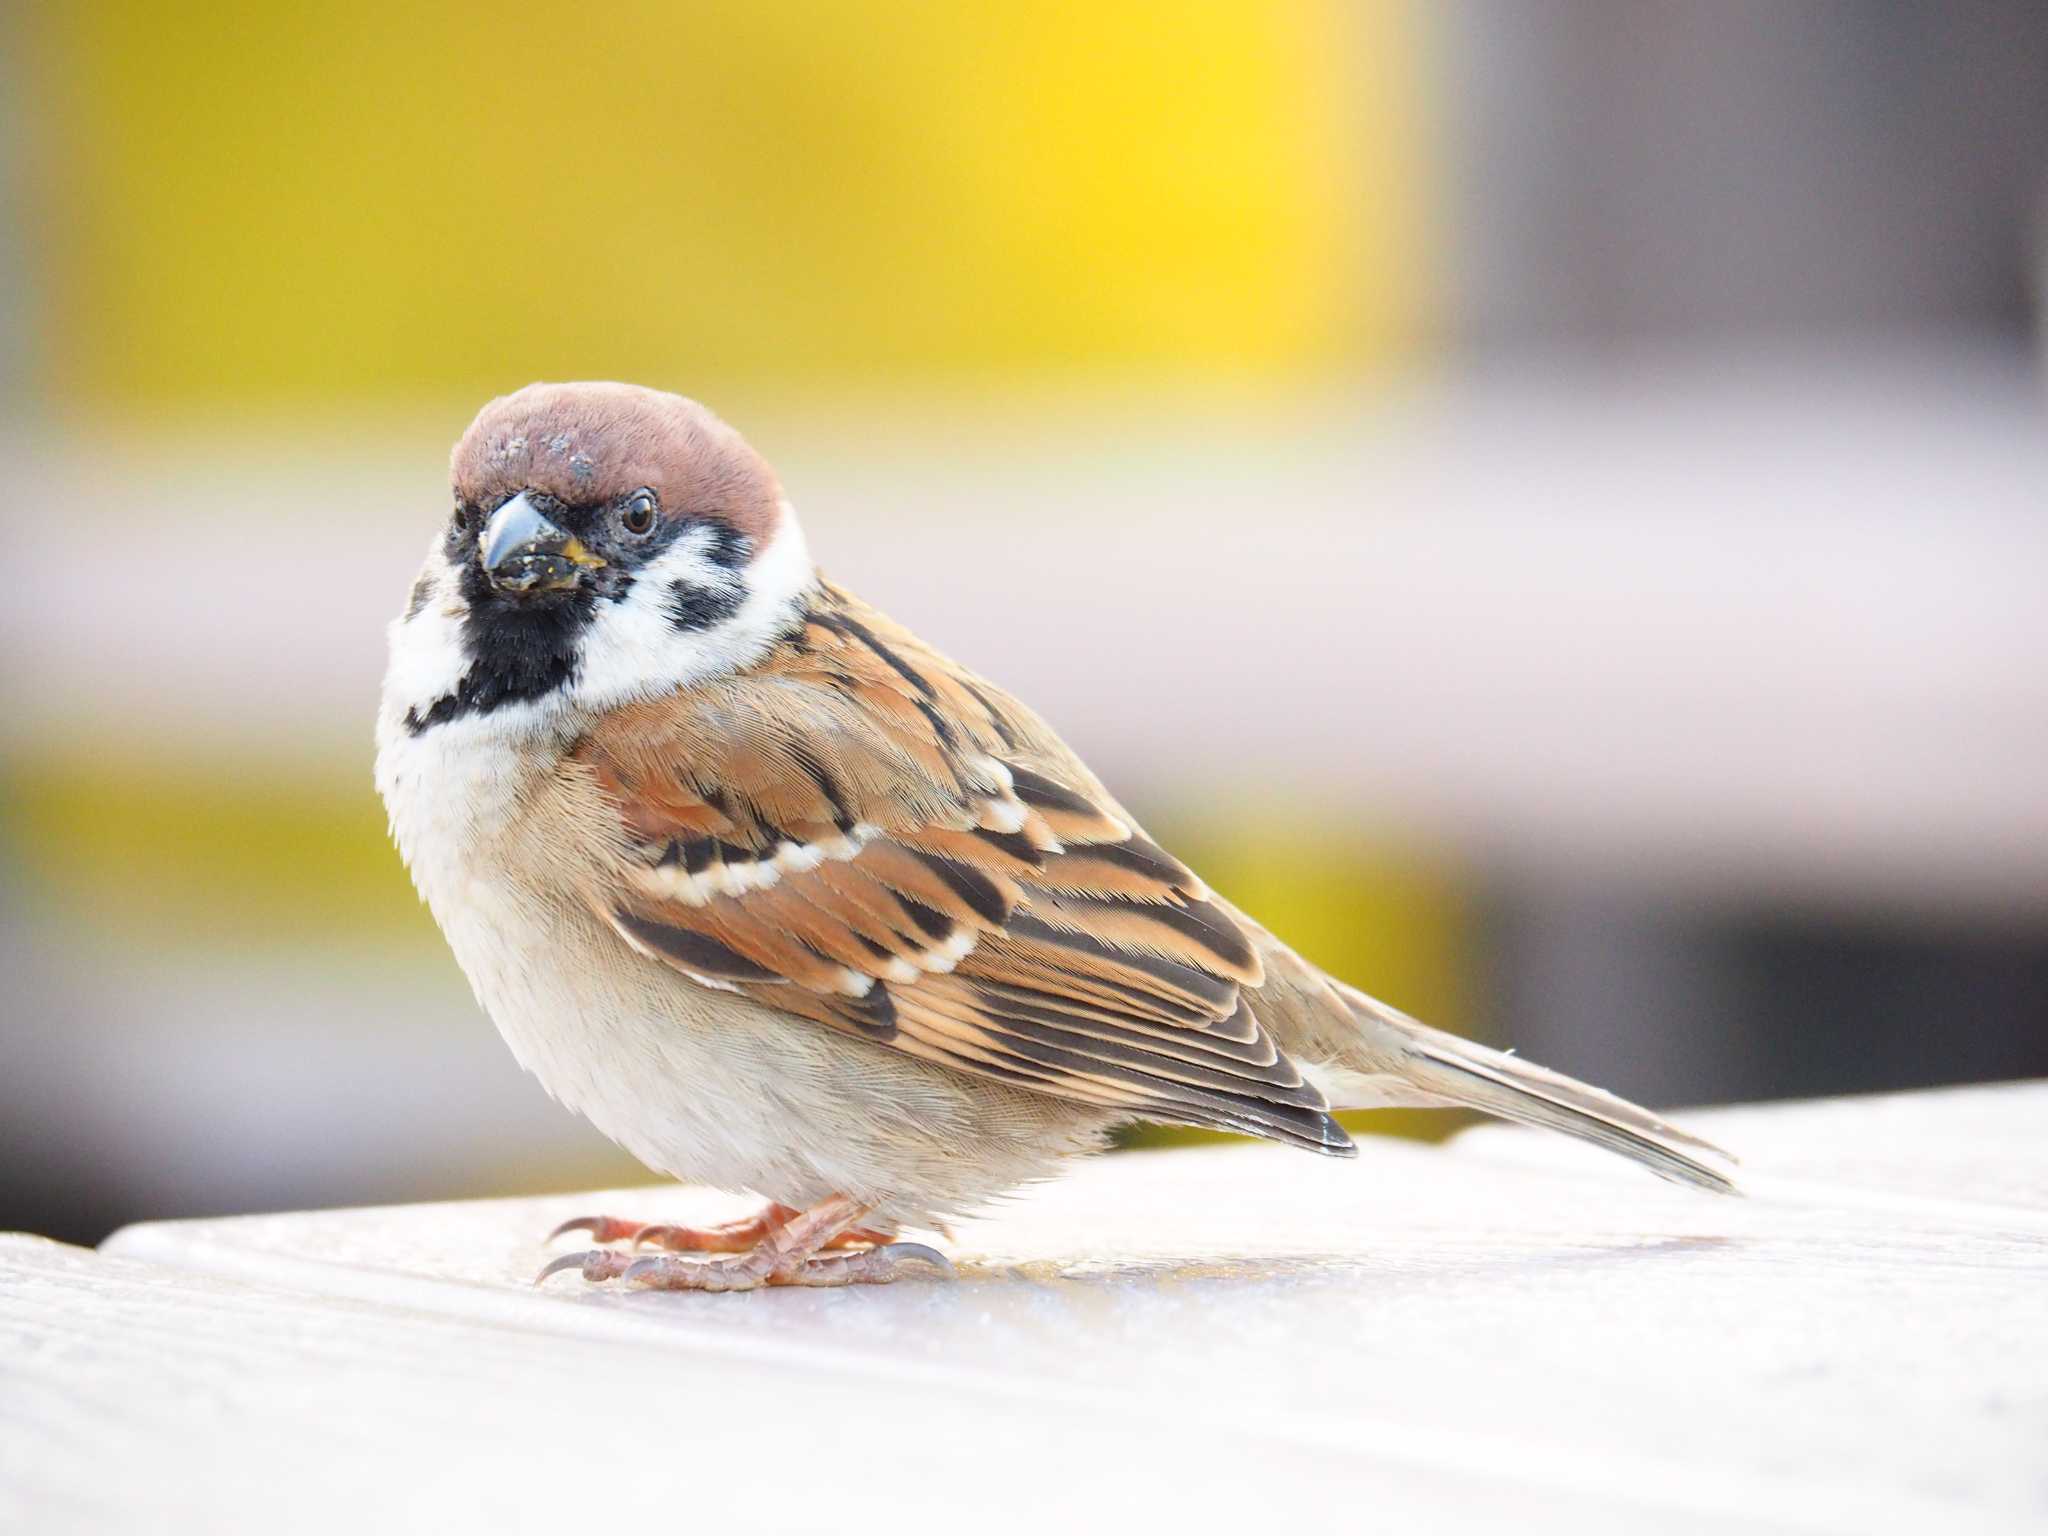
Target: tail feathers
[1446, 1069]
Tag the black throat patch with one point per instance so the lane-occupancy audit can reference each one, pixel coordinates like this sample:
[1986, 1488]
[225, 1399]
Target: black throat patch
[524, 648]
[519, 650]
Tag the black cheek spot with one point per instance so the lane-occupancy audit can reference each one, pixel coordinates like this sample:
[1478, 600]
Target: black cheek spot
[728, 548]
[691, 607]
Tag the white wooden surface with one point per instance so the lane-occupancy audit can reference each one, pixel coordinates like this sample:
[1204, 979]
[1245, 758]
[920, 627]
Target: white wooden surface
[1505, 1331]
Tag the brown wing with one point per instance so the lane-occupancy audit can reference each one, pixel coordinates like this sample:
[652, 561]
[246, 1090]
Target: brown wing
[860, 833]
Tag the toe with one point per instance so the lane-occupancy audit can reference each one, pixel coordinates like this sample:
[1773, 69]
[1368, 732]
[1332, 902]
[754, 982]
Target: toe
[602, 1229]
[875, 1266]
[659, 1273]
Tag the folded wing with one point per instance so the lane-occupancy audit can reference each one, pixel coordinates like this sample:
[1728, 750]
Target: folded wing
[861, 834]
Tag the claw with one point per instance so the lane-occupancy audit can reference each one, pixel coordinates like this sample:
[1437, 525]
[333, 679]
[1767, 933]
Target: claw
[594, 1264]
[602, 1229]
[556, 1266]
[919, 1253]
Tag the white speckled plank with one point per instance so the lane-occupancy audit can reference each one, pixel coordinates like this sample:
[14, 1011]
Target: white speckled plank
[141, 1397]
[1489, 1333]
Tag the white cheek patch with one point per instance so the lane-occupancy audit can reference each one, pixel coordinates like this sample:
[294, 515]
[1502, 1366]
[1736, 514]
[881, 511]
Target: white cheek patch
[429, 660]
[688, 618]
[427, 657]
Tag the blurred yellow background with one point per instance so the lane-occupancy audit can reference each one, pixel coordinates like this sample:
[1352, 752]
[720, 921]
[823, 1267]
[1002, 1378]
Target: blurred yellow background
[274, 205]
[1540, 504]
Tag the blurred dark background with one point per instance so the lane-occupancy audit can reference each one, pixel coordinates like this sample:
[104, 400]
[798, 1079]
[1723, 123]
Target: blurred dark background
[1547, 504]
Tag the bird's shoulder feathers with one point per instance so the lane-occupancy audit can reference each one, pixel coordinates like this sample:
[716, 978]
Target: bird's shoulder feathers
[860, 832]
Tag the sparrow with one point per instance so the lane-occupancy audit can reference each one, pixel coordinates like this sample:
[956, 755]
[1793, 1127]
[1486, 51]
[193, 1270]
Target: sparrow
[786, 902]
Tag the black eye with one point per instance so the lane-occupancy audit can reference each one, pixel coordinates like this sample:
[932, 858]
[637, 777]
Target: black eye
[636, 514]
[458, 526]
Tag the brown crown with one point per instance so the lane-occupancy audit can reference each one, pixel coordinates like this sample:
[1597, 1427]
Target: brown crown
[593, 443]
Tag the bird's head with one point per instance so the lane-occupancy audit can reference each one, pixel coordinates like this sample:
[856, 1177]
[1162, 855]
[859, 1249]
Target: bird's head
[607, 543]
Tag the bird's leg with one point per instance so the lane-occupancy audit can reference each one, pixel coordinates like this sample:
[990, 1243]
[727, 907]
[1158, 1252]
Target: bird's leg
[786, 1253]
[787, 1244]
[866, 1266]
[792, 1254]
[727, 1237]
[740, 1236]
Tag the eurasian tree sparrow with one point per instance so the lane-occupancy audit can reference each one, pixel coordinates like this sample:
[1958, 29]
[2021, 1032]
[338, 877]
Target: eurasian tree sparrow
[785, 901]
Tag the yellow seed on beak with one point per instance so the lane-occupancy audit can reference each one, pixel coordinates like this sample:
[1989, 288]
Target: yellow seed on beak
[574, 552]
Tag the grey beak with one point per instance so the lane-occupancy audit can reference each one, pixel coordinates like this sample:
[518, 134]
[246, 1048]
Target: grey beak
[516, 523]
[521, 551]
